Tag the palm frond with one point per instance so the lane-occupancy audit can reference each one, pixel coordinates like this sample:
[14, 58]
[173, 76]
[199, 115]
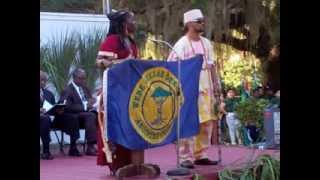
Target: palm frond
[58, 59]
[87, 52]
[68, 51]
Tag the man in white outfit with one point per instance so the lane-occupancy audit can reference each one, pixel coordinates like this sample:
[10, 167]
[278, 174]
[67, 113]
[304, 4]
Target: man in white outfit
[191, 44]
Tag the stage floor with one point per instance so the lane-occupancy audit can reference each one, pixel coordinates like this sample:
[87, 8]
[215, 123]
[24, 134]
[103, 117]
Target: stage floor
[85, 168]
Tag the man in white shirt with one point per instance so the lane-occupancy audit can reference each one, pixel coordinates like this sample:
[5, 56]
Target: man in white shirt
[190, 45]
[45, 121]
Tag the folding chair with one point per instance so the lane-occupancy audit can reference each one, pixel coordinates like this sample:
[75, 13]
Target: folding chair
[59, 141]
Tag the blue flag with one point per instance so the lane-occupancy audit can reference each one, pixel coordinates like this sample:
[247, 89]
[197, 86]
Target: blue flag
[142, 102]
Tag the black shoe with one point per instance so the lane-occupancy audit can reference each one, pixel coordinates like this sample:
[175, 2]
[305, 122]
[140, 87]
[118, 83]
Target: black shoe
[74, 152]
[156, 167]
[205, 162]
[187, 164]
[46, 156]
[91, 150]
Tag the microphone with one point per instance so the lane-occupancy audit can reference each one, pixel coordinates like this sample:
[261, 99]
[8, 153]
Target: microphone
[143, 35]
[161, 41]
[157, 41]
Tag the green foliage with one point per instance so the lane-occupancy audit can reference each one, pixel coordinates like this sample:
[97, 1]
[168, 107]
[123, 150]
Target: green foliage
[58, 59]
[236, 66]
[60, 55]
[201, 4]
[227, 174]
[89, 6]
[274, 19]
[235, 71]
[87, 48]
[251, 110]
[136, 4]
[43, 51]
[265, 167]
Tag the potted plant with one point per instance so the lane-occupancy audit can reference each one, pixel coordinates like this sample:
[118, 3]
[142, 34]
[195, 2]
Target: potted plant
[250, 114]
[251, 111]
[265, 167]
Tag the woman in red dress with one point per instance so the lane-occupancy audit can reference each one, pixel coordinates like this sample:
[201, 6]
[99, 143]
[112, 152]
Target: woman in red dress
[118, 47]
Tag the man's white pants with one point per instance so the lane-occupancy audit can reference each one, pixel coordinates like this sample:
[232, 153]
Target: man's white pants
[233, 125]
[196, 147]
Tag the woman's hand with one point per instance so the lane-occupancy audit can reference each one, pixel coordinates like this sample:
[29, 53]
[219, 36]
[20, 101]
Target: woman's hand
[103, 63]
[106, 63]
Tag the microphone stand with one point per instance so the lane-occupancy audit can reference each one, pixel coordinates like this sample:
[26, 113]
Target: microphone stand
[219, 120]
[178, 171]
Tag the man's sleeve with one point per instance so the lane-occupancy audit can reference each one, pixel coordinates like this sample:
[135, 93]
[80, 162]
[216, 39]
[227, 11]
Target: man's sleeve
[211, 53]
[63, 96]
[177, 53]
[71, 107]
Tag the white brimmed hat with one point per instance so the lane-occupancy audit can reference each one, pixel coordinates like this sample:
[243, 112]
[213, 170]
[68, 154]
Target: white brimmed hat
[192, 15]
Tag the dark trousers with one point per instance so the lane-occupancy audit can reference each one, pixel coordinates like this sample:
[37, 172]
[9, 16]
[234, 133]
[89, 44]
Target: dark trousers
[45, 124]
[224, 129]
[71, 123]
[254, 132]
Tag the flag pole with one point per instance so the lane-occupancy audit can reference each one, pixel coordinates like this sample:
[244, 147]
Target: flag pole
[103, 7]
[106, 7]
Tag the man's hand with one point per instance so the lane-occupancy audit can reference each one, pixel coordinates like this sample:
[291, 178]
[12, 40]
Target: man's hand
[42, 110]
[91, 102]
[209, 66]
[60, 111]
[222, 108]
[203, 92]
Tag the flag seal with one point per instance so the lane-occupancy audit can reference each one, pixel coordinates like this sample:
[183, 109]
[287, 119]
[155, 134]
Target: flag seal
[153, 105]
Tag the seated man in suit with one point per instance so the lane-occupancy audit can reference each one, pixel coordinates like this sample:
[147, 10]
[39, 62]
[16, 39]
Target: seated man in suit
[45, 121]
[77, 113]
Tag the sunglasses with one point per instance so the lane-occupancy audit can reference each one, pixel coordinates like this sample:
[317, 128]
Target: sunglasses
[199, 21]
